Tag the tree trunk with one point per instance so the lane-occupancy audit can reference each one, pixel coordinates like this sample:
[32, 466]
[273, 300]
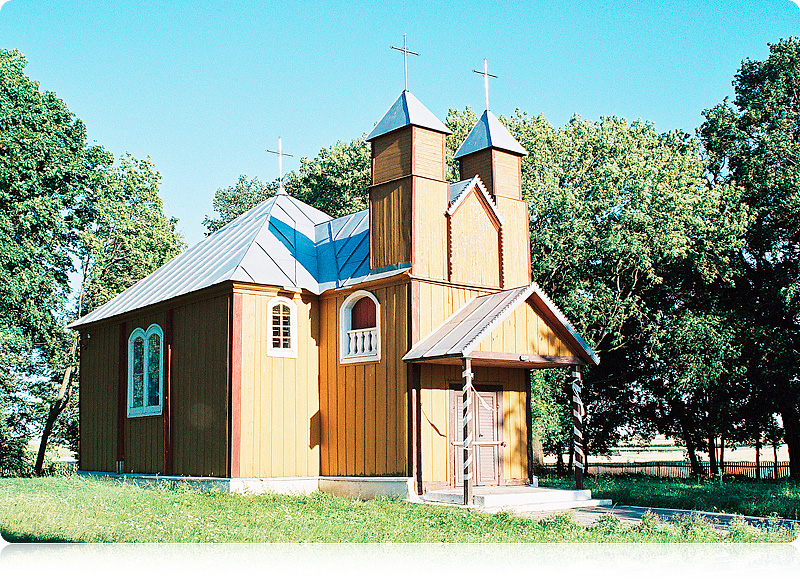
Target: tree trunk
[712, 456]
[56, 407]
[559, 459]
[571, 456]
[791, 434]
[721, 455]
[691, 451]
[758, 458]
[775, 460]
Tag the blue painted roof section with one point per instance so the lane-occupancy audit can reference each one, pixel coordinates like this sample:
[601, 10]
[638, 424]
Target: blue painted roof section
[280, 242]
[489, 132]
[407, 110]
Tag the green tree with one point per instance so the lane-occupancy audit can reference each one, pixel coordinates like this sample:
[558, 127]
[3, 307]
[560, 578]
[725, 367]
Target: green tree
[336, 182]
[754, 144]
[231, 202]
[122, 236]
[45, 164]
[624, 230]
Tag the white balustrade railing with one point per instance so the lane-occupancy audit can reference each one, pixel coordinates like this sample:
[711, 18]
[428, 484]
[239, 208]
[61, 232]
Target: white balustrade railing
[362, 342]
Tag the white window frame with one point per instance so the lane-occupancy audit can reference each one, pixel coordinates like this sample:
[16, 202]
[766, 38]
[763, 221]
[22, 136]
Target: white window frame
[146, 411]
[280, 351]
[346, 325]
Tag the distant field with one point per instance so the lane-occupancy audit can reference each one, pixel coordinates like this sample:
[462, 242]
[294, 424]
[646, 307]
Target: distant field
[747, 498]
[77, 509]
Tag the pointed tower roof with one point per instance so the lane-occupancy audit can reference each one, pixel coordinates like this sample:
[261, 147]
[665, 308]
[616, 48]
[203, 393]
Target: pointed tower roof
[489, 132]
[407, 110]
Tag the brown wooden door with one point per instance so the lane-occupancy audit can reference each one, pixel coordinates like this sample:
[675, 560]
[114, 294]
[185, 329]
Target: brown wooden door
[488, 428]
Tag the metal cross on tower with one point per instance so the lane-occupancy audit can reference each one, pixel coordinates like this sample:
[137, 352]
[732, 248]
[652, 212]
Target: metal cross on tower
[280, 155]
[405, 52]
[486, 75]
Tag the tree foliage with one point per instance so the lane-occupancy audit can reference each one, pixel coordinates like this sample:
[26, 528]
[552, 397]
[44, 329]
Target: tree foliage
[61, 202]
[754, 144]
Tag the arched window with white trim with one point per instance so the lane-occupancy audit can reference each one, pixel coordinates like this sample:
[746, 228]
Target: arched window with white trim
[359, 328]
[282, 327]
[146, 371]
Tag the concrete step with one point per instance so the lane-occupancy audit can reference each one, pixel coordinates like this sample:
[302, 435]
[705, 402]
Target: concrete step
[529, 497]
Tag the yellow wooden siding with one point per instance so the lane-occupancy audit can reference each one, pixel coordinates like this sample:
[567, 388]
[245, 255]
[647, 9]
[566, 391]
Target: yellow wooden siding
[430, 228]
[516, 242]
[480, 164]
[280, 431]
[390, 223]
[363, 412]
[391, 156]
[428, 154]
[436, 381]
[525, 332]
[506, 178]
[474, 245]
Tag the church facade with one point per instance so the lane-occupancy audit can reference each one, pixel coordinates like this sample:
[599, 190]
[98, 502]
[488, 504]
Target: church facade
[393, 342]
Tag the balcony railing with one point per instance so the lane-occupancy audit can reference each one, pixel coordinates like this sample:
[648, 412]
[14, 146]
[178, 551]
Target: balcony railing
[362, 342]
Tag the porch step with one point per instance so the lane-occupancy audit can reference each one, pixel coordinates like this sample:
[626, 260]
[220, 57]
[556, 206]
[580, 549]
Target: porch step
[531, 498]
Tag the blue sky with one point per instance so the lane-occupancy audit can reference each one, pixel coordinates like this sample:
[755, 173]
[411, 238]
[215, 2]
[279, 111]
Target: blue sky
[204, 88]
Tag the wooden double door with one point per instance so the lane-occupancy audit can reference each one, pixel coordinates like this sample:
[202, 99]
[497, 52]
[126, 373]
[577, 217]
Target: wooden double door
[488, 435]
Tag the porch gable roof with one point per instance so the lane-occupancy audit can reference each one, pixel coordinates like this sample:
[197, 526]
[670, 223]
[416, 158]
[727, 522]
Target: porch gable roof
[460, 335]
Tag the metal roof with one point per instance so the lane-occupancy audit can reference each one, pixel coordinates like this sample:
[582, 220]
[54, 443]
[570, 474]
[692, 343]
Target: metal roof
[407, 110]
[460, 334]
[280, 242]
[489, 132]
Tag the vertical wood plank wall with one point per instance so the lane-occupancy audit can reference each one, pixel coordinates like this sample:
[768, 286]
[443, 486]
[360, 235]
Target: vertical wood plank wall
[516, 242]
[524, 331]
[390, 223]
[474, 245]
[507, 175]
[200, 388]
[144, 436]
[436, 381]
[431, 199]
[363, 405]
[428, 154]
[391, 155]
[98, 398]
[480, 164]
[280, 415]
[199, 394]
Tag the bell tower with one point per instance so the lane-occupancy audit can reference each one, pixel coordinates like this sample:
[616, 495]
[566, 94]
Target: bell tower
[408, 196]
[492, 153]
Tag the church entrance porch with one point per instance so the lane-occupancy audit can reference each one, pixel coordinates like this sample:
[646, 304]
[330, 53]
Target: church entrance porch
[487, 402]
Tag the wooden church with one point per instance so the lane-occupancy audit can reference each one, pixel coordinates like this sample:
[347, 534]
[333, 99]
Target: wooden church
[290, 346]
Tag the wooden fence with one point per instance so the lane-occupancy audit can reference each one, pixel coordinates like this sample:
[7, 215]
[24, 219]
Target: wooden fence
[683, 469]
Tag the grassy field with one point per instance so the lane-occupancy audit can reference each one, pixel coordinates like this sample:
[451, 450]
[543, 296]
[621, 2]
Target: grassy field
[77, 509]
[748, 498]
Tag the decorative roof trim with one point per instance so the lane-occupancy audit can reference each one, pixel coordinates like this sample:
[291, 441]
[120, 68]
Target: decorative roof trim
[464, 193]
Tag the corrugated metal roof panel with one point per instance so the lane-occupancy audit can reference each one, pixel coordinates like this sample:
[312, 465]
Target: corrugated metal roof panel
[460, 334]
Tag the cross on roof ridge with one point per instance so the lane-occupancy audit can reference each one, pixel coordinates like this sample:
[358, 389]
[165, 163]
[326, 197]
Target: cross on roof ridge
[280, 155]
[486, 75]
[405, 52]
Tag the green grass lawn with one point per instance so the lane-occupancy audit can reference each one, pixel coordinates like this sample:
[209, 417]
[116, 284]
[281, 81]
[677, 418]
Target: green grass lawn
[748, 498]
[81, 509]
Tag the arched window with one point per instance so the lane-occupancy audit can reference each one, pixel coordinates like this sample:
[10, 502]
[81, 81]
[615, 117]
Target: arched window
[359, 328]
[146, 371]
[282, 327]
